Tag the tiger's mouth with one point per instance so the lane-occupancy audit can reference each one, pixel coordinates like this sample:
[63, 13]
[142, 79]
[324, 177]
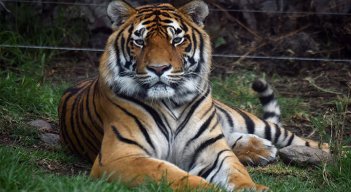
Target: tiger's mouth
[159, 84]
[160, 90]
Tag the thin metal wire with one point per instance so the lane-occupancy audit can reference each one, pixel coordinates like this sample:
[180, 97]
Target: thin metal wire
[214, 55]
[282, 12]
[54, 2]
[104, 4]
[283, 58]
[51, 48]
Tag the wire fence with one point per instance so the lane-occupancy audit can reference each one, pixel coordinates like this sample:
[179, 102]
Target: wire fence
[104, 4]
[214, 55]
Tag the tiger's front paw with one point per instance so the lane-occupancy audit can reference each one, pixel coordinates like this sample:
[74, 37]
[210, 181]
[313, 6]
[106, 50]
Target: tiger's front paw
[254, 151]
[250, 186]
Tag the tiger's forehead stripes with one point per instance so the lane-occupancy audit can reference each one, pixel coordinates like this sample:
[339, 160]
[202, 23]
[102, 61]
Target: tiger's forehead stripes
[161, 15]
[159, 7]
[158, 22]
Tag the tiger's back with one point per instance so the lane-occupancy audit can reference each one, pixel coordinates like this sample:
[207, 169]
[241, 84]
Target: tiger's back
[81, 124]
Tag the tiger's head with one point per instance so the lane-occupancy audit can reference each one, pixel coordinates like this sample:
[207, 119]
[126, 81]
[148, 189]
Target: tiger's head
[157, 51]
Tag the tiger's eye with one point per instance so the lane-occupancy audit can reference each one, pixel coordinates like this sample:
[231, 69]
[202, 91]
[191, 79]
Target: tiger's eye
[139, 42]
[177, 40]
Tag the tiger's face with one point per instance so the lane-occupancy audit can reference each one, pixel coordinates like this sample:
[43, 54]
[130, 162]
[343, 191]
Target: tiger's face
[157, 51]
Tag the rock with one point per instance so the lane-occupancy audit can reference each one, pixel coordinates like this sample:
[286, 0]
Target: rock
[303, 155]
[41, 125]
[50, 139]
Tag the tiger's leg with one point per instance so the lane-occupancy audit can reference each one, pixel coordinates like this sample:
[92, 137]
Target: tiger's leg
[133, 170]
[258, 149]
[125, 160]
[218, 164]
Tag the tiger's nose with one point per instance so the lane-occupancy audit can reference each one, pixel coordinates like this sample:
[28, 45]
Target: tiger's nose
[159, 69]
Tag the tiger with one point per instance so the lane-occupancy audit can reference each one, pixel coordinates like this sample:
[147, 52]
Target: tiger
[150, 112]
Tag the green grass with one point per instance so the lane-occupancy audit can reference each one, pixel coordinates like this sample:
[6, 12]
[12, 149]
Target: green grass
[23, 99]
[19, 172]
[25, 94]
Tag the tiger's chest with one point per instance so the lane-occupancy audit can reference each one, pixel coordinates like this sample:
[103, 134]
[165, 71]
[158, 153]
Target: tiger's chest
[164, 130]
[179, 130]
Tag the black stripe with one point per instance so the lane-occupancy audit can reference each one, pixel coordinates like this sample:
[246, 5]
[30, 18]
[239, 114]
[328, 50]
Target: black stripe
[267, 115]
[184, 26]
[131, 28]
[194, 43]
[64, 132]
[234, 144]
[143, 23]
[96, 127]
[201, 61]
[215, 125]
[166, 21]
[169, 109]
[122, 46]
[277, 133]
[267, 131]
[166, 122]
[74, 116]
[188, 48]
[250, 124]
[125, 140]
[85, 129]
[191, 111]
[140, 125]
[201, 45]
[203, 127]
[207, 111]
[259, 86]
[177, 31]
[84, 124]
[165, 14]
[154, 9]
[117, 47]
[152, 112]
[203, 146]
[94, 105]
[175, 104]
[266, 99]
[291, 139]
[71, 91]
[204, 173]
[219, 168]
[228, 117]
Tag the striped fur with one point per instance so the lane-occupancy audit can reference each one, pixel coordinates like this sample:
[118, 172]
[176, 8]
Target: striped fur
[150, 110]
[271, 109]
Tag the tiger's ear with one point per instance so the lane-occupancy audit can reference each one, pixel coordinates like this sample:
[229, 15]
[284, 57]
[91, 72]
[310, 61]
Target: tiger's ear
[197, 10]
[119, 11]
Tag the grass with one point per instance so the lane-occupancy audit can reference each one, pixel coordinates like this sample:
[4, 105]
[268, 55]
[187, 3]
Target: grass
[26, 95]
[19, 172]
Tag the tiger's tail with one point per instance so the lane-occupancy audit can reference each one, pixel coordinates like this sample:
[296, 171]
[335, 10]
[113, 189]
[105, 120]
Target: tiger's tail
[271, 109]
